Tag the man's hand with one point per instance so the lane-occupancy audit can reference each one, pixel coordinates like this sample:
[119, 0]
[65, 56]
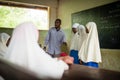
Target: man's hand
[65, 43]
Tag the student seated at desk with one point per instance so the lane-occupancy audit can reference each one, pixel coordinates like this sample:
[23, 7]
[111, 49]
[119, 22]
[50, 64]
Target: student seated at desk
[24, 50]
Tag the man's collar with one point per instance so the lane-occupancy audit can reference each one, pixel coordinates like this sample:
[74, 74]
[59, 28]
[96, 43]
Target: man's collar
[58, 29]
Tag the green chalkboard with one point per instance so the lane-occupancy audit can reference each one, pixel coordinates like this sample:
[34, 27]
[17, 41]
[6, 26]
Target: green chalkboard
[107, 18]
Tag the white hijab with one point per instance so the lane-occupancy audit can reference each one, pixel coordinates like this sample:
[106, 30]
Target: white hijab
[78, 37]
[25, 51]
[3, 41]
[90, 49]
[82, 35]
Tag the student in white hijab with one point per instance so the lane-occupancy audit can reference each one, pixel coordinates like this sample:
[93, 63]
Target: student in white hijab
[82, 32]
[76, 42]
[90, 50]
[4, 38]
[24, 51]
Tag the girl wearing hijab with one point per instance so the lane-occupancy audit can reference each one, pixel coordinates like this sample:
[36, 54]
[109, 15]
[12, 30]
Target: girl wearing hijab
[24, 51]
[76, 42]
[4, 38]
[90, 50]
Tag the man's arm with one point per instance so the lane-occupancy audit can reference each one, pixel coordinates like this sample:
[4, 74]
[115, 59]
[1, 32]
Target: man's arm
[46, 40]
[64, 39]
[64, 48]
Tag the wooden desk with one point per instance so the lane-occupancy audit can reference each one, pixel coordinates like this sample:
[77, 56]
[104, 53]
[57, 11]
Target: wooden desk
[80, 72]
[10, 71]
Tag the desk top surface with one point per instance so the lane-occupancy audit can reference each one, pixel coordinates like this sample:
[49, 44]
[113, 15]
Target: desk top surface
[80, 72]
[10, 71]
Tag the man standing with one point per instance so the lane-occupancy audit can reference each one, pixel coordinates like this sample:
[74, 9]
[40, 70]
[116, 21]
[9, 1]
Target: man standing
[54, 39]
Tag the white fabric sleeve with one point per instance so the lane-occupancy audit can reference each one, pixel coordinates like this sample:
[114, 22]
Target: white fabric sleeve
[62, 63]
[49, 67]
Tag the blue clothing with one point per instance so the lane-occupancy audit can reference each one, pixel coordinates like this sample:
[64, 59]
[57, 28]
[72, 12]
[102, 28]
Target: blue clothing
[74, 54]
[54, 39]
[92, 64]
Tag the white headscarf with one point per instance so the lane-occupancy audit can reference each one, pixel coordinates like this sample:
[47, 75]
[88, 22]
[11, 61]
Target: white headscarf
[82, 35]
[3, 41]
[75, 25]
[78, 37]
[90, 49]
[25, 51]
[74, 40]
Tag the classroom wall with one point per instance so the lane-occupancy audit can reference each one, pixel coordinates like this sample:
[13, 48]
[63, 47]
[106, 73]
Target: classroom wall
[110, 57]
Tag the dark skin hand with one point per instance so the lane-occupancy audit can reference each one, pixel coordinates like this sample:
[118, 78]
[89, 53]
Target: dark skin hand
[65, 43]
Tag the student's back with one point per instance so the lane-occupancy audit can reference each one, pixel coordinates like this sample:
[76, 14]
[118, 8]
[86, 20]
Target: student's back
[24, 51]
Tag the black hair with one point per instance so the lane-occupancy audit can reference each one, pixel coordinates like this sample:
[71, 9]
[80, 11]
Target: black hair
[58, 20]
